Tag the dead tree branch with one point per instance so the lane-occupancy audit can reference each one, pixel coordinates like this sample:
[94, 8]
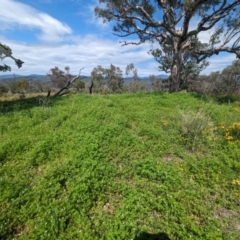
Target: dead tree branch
[60, 92]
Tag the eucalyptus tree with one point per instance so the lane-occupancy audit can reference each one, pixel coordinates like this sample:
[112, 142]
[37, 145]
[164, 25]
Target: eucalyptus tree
[156, 83]
[190, 69]
[58, 77]
[6, 52]
[230, 78]
[111, 77]
[98, 77]
[131, 71]
[134, 85]
[176, 23]
[114, 77]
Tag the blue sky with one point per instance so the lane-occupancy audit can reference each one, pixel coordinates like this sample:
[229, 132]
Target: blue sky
[49, 33]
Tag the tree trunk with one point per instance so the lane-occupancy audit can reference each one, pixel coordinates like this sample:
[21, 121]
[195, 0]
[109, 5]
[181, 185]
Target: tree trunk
[91, 88]
[174, 79]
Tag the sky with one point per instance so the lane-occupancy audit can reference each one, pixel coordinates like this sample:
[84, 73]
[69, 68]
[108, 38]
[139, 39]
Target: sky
[49, 33]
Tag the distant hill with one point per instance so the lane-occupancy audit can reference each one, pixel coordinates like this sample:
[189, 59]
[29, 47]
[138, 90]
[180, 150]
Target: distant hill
[45, 78]
[8, 76]
[34, 77]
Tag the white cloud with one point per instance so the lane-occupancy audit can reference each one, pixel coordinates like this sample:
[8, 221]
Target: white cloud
[219, 62]
[86, 51]
[16, 14]
[88, 13]
[89, 52]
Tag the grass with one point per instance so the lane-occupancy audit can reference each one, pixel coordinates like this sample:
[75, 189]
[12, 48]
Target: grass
[128, 166]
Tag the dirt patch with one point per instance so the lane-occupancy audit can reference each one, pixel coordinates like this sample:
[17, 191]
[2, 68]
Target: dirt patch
[171, 158]
[225, 213]
[231, 216]
[20, 229]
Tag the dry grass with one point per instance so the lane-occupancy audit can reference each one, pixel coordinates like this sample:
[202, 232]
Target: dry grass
[16, 96]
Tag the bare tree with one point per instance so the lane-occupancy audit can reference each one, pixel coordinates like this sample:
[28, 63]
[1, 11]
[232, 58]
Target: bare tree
[167, 22]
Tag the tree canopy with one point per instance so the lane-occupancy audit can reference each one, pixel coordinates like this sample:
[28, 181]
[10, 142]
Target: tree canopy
[176, 25]
[107, 77]
[190, 69]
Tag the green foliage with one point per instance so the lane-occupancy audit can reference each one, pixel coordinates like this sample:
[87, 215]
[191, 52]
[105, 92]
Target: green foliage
[226, 98]
[58, 77]
[5, 51]
[117, 167]
[225, 84]
[80, 85]
[107, 79]
[22, 85]
[3, 88]
[190, 69]
[168, 24]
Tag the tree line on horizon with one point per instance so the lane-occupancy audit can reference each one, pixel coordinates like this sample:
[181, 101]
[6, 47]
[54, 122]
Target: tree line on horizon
[180, 52]
[110, 80]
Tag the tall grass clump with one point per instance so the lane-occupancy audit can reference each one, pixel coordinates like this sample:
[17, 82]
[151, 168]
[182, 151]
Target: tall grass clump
[196, 128]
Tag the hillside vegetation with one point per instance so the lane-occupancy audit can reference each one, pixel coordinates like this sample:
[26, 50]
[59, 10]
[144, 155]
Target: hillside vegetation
[127, 166]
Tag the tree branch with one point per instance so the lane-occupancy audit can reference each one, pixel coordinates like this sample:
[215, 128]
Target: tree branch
[215, 17]
[203, 54]
[59, 93]
[8, 53]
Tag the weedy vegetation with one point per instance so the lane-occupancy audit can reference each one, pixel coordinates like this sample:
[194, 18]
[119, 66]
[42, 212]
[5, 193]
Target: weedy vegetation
[120, 167]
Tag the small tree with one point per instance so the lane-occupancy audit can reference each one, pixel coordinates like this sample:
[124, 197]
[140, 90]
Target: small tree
[170, 23]
[134, 85]
[107, 77]
[98, 75]
[42, 87]
[6, 52]
[22, 85]
[156, 83]
[114, 78]
[131, 71]
[231, 78]
[80, 85]
[3, 88]
[58, 77]
[225, 82]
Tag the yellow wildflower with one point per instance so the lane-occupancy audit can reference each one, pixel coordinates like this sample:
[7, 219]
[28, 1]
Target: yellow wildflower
[236, 182]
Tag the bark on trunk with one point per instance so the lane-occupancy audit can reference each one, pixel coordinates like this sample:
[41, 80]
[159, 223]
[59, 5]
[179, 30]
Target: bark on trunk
[174, 80]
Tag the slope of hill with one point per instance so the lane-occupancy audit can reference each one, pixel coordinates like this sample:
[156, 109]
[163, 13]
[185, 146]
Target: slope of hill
[127, 166]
